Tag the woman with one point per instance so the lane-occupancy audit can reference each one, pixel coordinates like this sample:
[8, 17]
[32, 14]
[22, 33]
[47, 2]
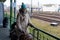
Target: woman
[22, 23]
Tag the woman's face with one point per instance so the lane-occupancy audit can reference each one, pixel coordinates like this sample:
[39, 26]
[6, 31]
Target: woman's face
[23, 10]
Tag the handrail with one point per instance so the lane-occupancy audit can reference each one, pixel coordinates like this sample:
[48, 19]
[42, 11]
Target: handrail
[31, 25]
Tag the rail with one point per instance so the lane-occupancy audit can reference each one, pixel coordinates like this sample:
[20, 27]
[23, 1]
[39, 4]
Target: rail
[40, 34]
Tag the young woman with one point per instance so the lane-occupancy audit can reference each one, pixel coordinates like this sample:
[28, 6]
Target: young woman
[22, 23]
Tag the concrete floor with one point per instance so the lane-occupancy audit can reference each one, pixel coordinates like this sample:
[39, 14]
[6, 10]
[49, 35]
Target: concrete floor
[4, 34]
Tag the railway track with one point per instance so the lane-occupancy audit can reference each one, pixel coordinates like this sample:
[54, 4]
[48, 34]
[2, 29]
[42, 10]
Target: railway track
[46, 19]
[52, 14]
[57, 17]
[49, 13]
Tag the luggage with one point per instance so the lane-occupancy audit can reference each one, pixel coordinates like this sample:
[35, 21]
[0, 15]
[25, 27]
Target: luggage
[5, 22]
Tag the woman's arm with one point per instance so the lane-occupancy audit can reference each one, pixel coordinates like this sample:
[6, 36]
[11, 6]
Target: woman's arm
[18, 22]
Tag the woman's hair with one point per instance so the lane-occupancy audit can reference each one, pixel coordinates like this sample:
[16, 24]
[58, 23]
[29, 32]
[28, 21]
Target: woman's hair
[20, 10]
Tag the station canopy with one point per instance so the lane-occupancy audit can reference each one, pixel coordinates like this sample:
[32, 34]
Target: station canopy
[2, 0]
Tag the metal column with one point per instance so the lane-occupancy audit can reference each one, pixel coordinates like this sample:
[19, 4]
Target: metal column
[10, 13]
[31, 8]
[15, 10]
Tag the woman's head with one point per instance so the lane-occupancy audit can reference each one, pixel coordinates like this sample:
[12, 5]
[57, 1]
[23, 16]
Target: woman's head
[23, 8]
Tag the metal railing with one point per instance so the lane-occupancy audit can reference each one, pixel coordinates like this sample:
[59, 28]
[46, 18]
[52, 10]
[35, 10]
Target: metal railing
[40, 34]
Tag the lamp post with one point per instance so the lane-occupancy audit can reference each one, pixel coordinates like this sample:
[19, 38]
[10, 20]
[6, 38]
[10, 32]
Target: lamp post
[38, 6]
[31, 8]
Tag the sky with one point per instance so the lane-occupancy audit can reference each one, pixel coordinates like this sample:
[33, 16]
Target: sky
[34, 2]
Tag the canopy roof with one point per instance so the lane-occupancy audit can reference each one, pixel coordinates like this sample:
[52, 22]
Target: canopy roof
[2, 0]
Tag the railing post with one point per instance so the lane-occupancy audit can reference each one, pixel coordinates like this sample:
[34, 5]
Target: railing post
[37, 34]
[47, 38]
[33, 33]
[43, 36]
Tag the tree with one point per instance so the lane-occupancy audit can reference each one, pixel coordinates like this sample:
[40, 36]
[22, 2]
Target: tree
[2, 0]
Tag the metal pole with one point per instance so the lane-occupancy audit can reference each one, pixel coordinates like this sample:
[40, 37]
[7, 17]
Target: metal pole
[31, 8]
[38, 6]
[15, 11]
[10, 13]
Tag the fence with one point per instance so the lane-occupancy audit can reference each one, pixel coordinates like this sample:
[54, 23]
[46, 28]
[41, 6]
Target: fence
[40, 34]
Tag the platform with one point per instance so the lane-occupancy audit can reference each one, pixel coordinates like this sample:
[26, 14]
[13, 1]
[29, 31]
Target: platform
[4, 34]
